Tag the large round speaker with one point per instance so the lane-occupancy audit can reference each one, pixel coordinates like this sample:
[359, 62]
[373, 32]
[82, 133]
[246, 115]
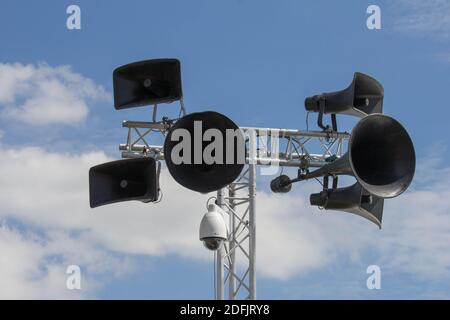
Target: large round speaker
[205, 151]
[382, 155]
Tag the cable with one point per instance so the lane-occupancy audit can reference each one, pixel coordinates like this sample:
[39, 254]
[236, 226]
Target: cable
[155, 111]
[307, 121]
[295, 147]
[158, 172]
[319, 182]
[215, 253]
[214, 272]
[160, 197]
[210, 198]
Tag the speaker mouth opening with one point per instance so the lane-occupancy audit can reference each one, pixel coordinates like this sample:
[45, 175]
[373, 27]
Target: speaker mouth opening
[123, 180]
[147, 82]
[382, 155]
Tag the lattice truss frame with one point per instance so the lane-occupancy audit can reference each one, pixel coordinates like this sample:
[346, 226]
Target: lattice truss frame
[237, 206]
[265, 150]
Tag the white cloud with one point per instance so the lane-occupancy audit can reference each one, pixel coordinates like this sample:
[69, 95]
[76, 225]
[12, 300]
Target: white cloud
[33, 266]
[422, 17]
[41, 94]
[50, 191]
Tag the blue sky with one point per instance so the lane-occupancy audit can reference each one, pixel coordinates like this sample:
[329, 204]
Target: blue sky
[254, 61]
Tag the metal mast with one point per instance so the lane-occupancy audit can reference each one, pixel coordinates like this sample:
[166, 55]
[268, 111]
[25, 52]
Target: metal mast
[240, 275]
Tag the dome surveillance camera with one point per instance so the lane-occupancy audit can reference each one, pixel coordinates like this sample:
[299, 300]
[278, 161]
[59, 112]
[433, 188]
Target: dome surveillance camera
[212, 244]
[213, 230]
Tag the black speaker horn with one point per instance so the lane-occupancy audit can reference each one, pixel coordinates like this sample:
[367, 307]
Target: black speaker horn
[124, 180]
[189, 167]
[353, 199]
[147, 82]
[380, 155]
[364, 96]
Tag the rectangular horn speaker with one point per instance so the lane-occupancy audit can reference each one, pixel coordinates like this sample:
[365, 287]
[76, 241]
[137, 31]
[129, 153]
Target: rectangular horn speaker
[146, 83]
[124, 180]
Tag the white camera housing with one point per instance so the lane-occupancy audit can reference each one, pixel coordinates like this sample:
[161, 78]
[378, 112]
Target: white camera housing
[213, 230]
